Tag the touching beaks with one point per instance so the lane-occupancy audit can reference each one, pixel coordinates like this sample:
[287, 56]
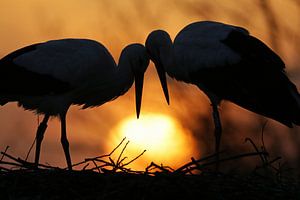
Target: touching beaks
[163, 80]
[139, 81]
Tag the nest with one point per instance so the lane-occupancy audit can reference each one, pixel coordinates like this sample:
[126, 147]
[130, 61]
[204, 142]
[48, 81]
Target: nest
[102, 177]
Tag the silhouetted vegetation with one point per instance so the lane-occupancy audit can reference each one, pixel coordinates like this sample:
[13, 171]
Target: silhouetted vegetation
[102, 177]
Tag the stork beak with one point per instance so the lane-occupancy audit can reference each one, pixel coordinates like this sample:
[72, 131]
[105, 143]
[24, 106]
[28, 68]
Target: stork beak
[139, 80]
[163, 81]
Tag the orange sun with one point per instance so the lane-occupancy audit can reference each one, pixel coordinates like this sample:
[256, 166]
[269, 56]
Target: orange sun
[165, 141]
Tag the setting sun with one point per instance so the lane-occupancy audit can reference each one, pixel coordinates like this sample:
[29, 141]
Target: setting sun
[151, 132]
[163, 138]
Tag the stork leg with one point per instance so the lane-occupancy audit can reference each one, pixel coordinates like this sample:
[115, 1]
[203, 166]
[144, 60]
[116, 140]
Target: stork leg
[39, 138]
[64, 140]
[218, 132]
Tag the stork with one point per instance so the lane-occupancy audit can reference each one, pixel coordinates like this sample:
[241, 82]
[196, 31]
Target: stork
[227, 63]
[49, 77]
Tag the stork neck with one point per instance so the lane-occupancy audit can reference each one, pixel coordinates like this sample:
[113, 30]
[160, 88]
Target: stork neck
[166, 56]
[124, 71]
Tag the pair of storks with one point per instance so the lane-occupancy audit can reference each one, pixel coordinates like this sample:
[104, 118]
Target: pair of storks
[223, 60]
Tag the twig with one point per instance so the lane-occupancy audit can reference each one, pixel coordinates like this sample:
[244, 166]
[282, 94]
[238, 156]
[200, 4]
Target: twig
[195, 162]
[225, 159]
[4, 152]
[118, 163]
[112, 161]
[9, 156]
[134, 159]
[152, 164]
[122, 160]
[26, 164]
[85, 166]
[113, 149]
[98, 157]
[256, 149]
[96, 166]
[28, 153]
[262, 134]
[11, 163]
[270, 164]
[198, 161]
[4, 169]
[263, 142]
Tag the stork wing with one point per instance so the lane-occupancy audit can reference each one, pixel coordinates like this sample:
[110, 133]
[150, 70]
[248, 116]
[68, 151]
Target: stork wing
[16, 79]
[251, 49]
[56, 66]
[258, 82]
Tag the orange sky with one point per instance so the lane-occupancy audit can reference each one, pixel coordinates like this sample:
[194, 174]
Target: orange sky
[116, 24]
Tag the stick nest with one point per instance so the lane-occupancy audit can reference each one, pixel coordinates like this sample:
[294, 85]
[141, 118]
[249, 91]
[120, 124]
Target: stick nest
[102, 177]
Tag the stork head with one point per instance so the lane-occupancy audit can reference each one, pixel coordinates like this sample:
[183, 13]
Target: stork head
[138, 60]
[158, 43]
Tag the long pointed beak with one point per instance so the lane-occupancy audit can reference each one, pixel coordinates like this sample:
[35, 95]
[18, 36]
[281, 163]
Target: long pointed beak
[139, 81]
[163, 80]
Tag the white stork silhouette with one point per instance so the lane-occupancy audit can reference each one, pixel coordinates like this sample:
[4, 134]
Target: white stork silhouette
[227, 63]
[50, 77]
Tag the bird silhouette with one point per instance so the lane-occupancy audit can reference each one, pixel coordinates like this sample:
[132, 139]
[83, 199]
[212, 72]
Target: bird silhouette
[49, 77]
[227, 63]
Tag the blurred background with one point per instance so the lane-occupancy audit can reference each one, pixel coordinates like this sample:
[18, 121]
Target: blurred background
[188, 127]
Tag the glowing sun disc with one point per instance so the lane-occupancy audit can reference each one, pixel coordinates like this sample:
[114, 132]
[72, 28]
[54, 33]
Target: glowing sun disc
[151, 132]
[160, 135]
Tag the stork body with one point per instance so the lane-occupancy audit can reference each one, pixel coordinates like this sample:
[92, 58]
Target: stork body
[49, 77]
[227, 63]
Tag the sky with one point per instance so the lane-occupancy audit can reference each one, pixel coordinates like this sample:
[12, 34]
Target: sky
[117, 23]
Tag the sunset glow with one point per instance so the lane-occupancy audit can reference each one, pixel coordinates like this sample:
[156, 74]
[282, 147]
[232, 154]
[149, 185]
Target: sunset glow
[164, 140]
[151, 132]
[167, 132]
